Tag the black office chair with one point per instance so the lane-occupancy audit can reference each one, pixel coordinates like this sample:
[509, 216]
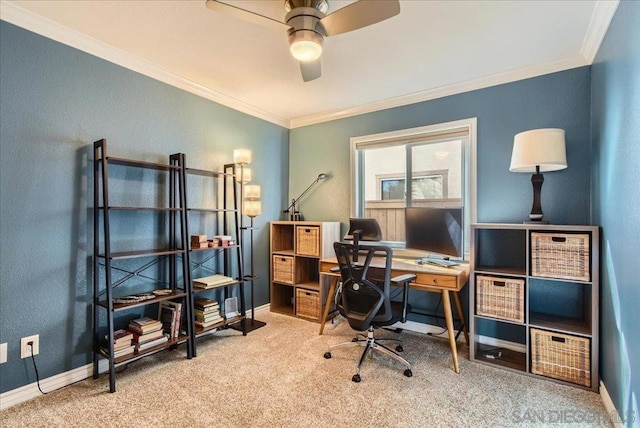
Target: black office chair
[365, 299]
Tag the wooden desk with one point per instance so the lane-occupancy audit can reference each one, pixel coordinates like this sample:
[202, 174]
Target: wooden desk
[429, 278]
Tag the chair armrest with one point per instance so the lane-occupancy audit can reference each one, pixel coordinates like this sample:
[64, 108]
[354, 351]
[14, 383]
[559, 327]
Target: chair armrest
[405, 280]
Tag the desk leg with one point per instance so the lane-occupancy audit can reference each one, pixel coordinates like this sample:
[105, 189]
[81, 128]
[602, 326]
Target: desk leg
[327, 306]
[446, 303]
[456, 298]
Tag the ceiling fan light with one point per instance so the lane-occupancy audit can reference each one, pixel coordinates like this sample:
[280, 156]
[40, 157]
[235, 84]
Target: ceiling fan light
[305, 45]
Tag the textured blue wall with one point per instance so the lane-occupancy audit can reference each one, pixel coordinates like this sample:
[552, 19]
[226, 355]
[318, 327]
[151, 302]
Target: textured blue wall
[559, 100]
[54, 102]
[616, 200]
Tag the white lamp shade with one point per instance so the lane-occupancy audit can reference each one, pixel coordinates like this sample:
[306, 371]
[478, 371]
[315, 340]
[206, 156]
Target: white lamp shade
[243, 175]
[242, 156]
[252, 191]
[252, 208]
[544, 148]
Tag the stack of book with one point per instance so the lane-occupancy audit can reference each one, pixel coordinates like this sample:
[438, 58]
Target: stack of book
[147, 333]
[170, 314]
[199, 241]
[212, 281]
[122, 345]
[207, 312]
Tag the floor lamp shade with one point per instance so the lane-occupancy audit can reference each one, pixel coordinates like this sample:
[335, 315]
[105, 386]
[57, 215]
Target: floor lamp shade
[242, 156]
[537, 151]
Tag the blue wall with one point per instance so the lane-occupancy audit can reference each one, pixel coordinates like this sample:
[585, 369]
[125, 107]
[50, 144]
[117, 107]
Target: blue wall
[559, 100]
[54, 102]
[616, 200]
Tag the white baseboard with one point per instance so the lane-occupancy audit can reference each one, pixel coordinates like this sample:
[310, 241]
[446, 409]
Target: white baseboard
[499, 343]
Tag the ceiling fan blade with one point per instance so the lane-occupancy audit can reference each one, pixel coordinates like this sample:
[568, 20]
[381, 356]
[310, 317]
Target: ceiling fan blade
[359, 14]
[311, 70]
[245, 15]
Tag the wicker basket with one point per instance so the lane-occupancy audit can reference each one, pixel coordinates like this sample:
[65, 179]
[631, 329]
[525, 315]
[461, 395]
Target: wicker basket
[283, 269]
[561, 356]
[501, 298]
[307, 304]
[560, 255]
[308, 241]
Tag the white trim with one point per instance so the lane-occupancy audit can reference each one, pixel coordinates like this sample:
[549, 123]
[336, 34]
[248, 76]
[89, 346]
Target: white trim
[444, 91]
[28, 392]
[21, 17]
[601, 17]
[610, 407]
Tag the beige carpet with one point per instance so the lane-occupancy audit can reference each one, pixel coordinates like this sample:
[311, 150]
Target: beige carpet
[277, 377]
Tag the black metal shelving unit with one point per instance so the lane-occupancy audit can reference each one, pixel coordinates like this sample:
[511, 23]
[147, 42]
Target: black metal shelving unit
[174, 252]
[225, 220]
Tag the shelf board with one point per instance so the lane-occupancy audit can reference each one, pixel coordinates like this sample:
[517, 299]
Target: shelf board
[313, 286]
[206, 173]
[137, 355]
[212, 210]
[288, 252]
[123, 306]
[560, 324]
[141, 164]
[510, 359]
[200, 330]
[286, 310]
[501, 270]
[522, 324]
[122, 208]
[142, 253]
[214, 248]
[572, 281]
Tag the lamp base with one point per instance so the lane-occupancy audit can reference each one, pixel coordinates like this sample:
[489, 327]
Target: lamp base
[250, 325]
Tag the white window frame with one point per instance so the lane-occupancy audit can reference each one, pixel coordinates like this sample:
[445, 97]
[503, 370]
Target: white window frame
[430, 132]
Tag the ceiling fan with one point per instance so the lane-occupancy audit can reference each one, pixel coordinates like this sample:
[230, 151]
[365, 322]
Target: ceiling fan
[307, 24]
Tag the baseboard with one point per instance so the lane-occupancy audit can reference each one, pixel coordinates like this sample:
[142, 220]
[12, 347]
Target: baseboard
[610, 407]
[27, 392]
[500, 343]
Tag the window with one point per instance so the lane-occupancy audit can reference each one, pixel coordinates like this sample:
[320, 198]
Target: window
[431, 166]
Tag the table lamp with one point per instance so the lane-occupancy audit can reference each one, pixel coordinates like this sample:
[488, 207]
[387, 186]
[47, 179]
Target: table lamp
[538, 151]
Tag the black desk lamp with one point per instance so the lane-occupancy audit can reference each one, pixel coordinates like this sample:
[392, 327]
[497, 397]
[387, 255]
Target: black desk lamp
[294, 215]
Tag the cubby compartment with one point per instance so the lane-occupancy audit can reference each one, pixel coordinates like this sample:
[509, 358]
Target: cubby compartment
[282, 299]
[307, 272]
[501, 250]
[560, 305]
[500, 343]
[282, 238]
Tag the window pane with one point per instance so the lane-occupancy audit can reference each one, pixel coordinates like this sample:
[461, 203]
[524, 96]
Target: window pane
[436, 169]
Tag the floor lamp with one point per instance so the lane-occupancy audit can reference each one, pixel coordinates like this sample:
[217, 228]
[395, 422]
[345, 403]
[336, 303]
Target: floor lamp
[252, 208]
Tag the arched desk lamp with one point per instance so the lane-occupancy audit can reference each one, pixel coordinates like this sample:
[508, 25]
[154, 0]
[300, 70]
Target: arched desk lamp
[291, 211]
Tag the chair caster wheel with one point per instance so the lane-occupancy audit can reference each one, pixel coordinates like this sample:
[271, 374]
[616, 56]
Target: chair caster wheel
[408, 373]
[399, 348]
[356, 378]
[327, 355]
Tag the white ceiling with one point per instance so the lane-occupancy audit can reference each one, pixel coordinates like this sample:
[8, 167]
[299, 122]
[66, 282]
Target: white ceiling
[431, 49]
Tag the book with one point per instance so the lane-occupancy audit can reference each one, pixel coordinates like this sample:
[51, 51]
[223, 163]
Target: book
[212, 281]
[203, 314]
[120, 353]
[209, 323]
[143, 338]
[204, 303]
[144, 325]
[170, 314]
[216, 317]
[151, 343]
[120, 338]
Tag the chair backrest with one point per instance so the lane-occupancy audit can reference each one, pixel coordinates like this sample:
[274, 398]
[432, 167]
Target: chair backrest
[365, 296]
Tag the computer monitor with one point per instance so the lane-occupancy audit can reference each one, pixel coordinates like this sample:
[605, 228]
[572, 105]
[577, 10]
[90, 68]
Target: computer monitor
[435, 230]
[367, 229]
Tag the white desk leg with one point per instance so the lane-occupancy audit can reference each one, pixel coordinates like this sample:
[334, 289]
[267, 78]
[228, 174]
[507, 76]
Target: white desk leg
[446, 303]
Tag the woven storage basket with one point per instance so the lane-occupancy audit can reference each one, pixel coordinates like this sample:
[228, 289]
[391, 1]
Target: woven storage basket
[561, 356]
[501, 298]
[560, 255]
[307, 304]
[308, 241]
[283, 269]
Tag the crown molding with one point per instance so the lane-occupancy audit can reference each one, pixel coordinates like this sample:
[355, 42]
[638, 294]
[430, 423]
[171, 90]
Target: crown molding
[444, 91]
[601, 17]
[28, 20]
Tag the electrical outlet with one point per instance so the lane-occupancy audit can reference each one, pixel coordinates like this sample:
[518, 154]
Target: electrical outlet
[3, 353]
[25, 348]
